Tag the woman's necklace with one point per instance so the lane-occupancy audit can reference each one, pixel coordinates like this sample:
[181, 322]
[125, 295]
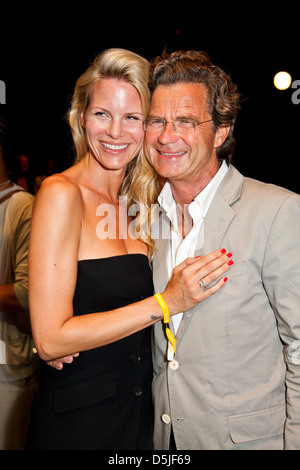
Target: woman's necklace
[4, 184]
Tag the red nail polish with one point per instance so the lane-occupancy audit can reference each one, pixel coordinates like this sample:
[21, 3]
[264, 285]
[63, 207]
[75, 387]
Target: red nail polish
[230, 262]
[222, 251]
[225, 279]
[229, 255]
[197, 257]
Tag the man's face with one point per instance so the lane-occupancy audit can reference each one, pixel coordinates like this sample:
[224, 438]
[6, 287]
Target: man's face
[182, 155]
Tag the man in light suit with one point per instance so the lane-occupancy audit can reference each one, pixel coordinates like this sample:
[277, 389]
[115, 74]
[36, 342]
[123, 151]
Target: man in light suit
[234, 382]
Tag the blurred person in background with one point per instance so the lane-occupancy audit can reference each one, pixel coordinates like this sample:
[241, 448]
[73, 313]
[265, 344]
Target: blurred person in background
[23, 175]
[48, 170]
[18, 363]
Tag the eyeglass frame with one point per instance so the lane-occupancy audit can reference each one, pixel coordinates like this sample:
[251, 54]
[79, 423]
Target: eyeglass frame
[164, 123]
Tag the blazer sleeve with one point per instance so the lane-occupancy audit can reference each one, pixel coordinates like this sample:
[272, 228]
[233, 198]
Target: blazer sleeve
[281, 277]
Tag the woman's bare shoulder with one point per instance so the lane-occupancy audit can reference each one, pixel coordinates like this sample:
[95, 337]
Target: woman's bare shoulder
[57, 212]
[60, 181]
[60, 187]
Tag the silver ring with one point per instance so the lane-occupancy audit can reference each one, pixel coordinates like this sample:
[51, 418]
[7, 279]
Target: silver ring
[203, 285]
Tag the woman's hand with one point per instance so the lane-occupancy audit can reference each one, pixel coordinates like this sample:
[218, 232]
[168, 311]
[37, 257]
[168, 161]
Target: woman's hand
[194, 280]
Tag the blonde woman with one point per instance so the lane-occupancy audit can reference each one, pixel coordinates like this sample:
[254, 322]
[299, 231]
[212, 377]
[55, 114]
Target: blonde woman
[90, 280]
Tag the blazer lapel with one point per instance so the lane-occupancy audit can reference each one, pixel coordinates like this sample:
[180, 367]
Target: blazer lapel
[220, 213]
[217, 220]
[216, 223]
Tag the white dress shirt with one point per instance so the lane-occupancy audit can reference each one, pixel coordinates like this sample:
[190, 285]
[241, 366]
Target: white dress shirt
[182, 248]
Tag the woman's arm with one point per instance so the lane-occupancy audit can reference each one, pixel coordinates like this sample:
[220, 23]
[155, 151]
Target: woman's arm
[53, 255]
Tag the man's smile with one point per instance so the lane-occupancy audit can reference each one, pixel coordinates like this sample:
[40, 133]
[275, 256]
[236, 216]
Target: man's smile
[170, 154]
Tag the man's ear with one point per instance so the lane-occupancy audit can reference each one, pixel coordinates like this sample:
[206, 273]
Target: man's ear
[221, 135]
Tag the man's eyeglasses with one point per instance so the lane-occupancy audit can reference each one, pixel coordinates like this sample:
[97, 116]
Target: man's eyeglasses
[181, 125]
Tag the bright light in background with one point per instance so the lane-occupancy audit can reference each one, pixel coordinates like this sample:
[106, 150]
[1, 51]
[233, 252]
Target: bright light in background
[282, 80]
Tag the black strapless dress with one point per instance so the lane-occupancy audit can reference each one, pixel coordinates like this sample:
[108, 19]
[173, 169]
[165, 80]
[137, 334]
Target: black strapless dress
[103, 399]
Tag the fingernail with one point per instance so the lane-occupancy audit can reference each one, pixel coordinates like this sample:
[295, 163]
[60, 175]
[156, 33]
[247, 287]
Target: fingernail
[229, 255]
[197, 257]
[230, 262]
[225, 279]
[222, 251]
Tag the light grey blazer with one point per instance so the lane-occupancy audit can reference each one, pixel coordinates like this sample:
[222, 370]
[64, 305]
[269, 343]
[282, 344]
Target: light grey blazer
[237, 384]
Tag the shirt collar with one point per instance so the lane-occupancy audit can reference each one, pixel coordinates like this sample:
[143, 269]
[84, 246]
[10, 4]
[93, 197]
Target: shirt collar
[203, 199]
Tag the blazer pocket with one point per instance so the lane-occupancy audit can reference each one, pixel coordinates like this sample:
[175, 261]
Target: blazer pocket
[257, 425]
[84, 392]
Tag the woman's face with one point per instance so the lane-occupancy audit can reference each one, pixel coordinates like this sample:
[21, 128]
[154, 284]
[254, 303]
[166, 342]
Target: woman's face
[114, 123]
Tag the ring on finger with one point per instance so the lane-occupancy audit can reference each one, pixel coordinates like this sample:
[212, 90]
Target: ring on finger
[203, 285]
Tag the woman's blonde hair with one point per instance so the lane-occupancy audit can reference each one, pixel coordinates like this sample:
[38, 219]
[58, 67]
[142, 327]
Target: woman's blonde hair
[123, 65]
[112, 63]
[143, 190]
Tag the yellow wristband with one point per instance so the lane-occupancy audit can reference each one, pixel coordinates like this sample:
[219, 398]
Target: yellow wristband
[164, 307]
[166, 315]
[171, 339]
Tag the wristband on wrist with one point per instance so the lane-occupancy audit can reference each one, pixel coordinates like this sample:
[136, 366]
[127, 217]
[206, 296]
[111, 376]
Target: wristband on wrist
[166, 315]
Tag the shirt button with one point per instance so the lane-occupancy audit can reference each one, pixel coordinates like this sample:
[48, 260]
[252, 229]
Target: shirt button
[137, 390]
[166, 419]
[174, 364]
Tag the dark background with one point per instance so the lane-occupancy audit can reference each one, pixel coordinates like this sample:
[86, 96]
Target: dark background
[45, 48]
